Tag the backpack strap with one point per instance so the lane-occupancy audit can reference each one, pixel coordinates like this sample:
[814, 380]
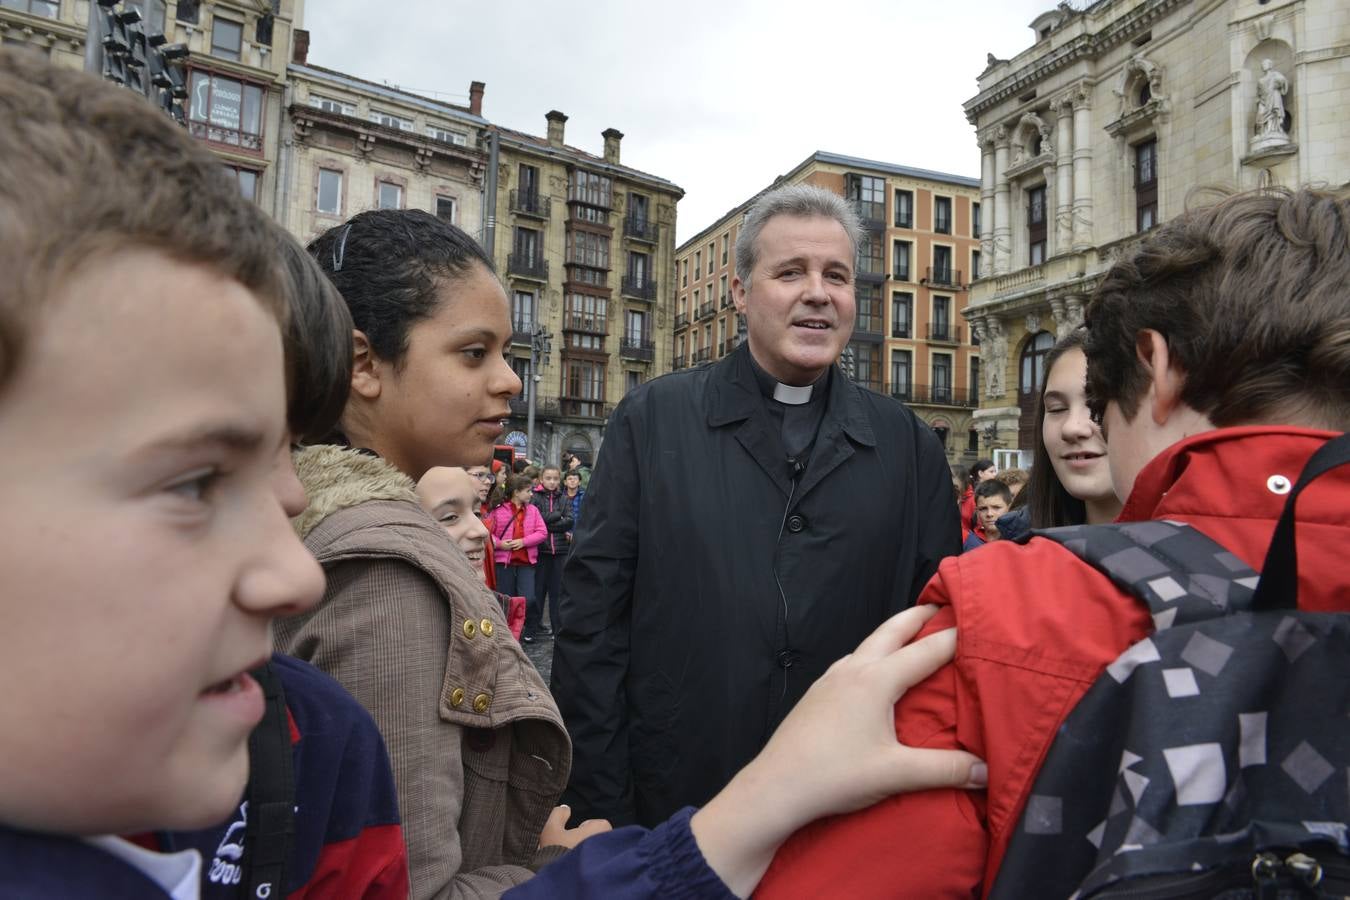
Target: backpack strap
[1180, 573]
[1279, 578]
[270, 832]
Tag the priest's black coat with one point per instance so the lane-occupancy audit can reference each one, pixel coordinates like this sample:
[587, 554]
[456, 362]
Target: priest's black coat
[708, 587]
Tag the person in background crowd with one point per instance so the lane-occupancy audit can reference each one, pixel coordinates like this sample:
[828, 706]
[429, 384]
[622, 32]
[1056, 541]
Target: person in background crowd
[574, 494]
[497, 495]
[981, 471]
[572, 463]
[406, 623]
[840, 514]
[1015, 479]
[517, 531]
[483, 477]
[556, 512]
[532, 472]
[1218, 352]
[992, 499]
[452, 496]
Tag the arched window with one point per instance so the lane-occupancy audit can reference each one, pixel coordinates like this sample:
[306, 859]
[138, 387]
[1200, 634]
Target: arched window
[1030, 377]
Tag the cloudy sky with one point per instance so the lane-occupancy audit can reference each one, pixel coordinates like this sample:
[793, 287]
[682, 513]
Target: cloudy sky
[719, 96]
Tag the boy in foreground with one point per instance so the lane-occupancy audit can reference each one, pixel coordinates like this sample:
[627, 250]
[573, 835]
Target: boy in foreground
[146, 548]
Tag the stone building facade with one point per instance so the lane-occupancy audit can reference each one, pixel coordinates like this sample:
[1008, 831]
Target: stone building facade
[586, 246]
[1098, 132]
[236, 73]
[912, 277]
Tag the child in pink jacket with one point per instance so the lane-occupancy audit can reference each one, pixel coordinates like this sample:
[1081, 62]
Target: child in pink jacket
[517, 531]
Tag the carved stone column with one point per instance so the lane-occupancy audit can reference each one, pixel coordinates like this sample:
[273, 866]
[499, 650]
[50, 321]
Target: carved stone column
[1064, 173]
[1082, 169]
[1002, 223]
[987, 204]
[994, 353]
[1057, 313]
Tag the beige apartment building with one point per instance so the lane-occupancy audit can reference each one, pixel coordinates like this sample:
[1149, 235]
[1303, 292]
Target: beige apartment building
[586, 246]
[1098, 131]
[912, 282]
[236, 73]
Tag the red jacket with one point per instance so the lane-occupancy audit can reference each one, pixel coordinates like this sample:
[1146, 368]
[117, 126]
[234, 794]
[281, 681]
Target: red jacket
[1035, 627]
[499, 523]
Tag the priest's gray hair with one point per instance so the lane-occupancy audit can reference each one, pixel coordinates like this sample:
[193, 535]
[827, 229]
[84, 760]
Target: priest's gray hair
[801, 200]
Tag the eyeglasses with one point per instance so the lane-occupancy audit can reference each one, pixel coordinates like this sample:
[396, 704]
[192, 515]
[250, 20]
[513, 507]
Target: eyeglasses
[482, 476]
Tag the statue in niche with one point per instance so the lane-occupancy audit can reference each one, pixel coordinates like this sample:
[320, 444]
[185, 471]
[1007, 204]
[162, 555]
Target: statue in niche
[995, 349]
[1271, 88]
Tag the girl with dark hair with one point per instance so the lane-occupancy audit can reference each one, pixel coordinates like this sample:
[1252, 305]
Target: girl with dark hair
[1070, 480]
[517, 531]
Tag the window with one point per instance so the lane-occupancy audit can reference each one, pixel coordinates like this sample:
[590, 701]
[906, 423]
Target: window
[870, 308]
[226, 111]
[153, 14]
[388, 195]
[262, 30]
[866, 364]
[188, 11]
[632, 379]
[1146, 184]
[525, 247]
[585, 248]
[521, 366]
[974, 378]
[900, 261]
[904, 209]
[902, 364]
[902, 311]
[389, 120]
[226, 38]
[724, 298]
[942, 265]
[974, 220]
[634, 327]
[684, 278]
[584, 382]
[329, 200]
[974, 264]
[328, 104]
[698, 264]
[445, 208]
[522, 311]
[1036, 225]
[942, 319]
[711, 256]
[447, 136]
[585, 312]
[638, 209]
[48, 8]
[941, 431]
[942, 215]
[528, 176]
[868, 194]
[639, 269]
[1032, 372]
[972, 441]
[871, 255]
[589, 188]
[248, 181]
[726, 246]
[942, 378]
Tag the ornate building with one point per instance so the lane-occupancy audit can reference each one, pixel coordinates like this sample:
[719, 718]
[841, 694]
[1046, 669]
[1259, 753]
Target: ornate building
[912, 276]
[1098, 131]
[586, 246]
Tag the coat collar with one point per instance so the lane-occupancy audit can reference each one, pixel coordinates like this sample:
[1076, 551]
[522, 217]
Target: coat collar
[734, 396]
[336, 478]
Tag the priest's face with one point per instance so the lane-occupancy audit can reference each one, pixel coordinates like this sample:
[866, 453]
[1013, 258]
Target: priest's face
[799, 306]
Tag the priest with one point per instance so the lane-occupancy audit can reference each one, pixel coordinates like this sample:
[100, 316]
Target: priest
[748, 523]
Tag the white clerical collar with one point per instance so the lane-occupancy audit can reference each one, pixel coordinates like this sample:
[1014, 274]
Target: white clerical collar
[792, 396]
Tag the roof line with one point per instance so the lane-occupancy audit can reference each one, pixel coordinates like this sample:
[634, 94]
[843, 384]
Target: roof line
[360, 84]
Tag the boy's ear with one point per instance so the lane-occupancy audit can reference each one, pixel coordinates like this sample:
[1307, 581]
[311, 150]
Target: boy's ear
[365, 367]
[1165, 379]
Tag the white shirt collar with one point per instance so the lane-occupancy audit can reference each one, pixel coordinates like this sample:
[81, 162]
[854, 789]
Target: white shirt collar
[179, 874]
[792, 396]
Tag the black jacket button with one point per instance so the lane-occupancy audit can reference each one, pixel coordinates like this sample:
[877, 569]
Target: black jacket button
[796, 524]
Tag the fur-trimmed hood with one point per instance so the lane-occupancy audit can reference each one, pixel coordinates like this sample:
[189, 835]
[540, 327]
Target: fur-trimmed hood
[337, 478]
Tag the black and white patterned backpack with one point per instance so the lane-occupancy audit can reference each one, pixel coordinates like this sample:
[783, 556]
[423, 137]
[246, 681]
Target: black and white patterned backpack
[1211, 759]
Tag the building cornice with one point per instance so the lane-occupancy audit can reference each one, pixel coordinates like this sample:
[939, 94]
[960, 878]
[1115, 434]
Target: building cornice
[1087, 46]
[305, 118]
[570, 157]
[370, 89]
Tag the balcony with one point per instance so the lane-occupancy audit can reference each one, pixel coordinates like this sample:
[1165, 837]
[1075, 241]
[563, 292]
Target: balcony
[942, 395]
[640, 229]
[868, 328]
[585, 323]
[520, 406]
[534, 268]
[944, 277]
[706, 310]
[903, 394]
[728, 345]
[682, 320]
[678, 363]
[640, 348]
[867, 276]
[901, 331]
[725, 302]
[583, 407]
[638, 287]
[522, 331]
[872, 214]
[529, 203]
[944, 333]
[702, 355]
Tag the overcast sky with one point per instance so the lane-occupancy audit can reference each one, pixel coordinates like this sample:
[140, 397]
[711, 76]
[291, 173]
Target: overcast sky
[718, 96]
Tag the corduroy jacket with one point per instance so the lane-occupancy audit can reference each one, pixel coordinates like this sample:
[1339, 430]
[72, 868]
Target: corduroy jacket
[478, 749]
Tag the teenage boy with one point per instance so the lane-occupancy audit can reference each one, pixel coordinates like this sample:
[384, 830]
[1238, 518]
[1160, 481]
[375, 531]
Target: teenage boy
[1218, 358]
[992, 499]
[146, 547]
[557, 512]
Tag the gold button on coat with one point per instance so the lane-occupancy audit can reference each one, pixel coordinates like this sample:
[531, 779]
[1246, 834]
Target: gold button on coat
[469, 628]
[457, 696]
[480, 703]
[485, 626]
